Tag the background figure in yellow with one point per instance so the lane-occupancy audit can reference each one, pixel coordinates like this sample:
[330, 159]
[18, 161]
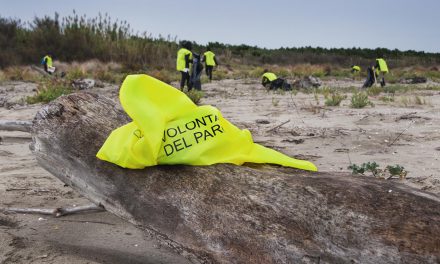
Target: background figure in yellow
[48, 64]
[381, 69]
[271, 81]
[268, 78]
[184, 58]
[210, 62]
[355, 69]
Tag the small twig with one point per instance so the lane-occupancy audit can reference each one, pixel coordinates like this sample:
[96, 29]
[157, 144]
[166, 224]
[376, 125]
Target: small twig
[296, 108]
[278, 126]
[57, 212]
[86, 222]
[17, 189]
[401, 133]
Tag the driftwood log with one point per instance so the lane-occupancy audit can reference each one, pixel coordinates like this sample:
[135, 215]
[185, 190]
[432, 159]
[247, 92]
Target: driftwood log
[239, 214]
[15, 125]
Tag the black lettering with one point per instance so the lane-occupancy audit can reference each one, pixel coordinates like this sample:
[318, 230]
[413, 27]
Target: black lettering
[170, 148]
[198, 121]
[207, 134]
[215, 128]
[209, 116]
[177, 145]
[186, 145]
[197, 136]
[171, 129]
[216, 118]
[164, 136]
[180, 131]
[190, 128]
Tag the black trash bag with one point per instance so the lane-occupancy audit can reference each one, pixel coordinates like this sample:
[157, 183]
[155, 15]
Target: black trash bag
[370, 78]
[196, 73]
[280, 83]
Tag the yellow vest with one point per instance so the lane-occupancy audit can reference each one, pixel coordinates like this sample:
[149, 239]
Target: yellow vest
[356, 68]
[382, 65]
[209, 58]
[49, 60]
[270, 76]
[168, 128]
[180, 63]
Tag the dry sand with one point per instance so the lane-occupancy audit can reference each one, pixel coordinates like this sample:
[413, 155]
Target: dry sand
[331, 137]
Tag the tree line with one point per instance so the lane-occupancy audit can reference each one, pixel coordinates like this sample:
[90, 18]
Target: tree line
[78, 38]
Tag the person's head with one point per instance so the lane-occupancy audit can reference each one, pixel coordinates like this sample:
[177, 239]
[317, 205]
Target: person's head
[208, 49]
[186, 44]
[49, 54]
[265, 70]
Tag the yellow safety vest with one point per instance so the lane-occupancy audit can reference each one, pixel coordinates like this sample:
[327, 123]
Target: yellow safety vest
[49, 60]
[209, 58]
[382, 65]
[270, 76]
[180, 63]
[168, 128]
[356, 68]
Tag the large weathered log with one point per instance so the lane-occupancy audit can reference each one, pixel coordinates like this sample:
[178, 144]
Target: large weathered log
[239, 214]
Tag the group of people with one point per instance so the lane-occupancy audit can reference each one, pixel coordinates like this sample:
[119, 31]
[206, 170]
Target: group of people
[375, 73]
[187, 58]
[191, 77]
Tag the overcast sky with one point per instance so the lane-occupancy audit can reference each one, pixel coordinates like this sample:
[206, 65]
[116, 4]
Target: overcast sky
[401, 24]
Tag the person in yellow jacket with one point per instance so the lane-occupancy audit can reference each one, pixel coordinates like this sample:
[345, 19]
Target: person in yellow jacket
[48, 64]
[268, 78]
[184, 58]
[355, 69]
[271, 81]
[210, 62]
[381, 68]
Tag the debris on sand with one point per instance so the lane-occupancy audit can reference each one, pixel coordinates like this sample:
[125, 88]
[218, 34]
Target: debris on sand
[83, 84]
[307, 82]
[414, 80]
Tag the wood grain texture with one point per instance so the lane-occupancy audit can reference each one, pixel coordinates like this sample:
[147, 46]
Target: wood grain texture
[238, 214]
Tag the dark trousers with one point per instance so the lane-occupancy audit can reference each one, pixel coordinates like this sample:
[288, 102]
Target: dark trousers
[209, 71]
[184, 79]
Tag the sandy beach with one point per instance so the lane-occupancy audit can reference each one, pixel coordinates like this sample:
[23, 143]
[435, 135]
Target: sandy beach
[402, 132]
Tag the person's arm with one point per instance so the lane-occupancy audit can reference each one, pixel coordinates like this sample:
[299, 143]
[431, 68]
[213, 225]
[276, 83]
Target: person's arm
[187, 60]
[215, 60]
[265, 81]
[45, 64]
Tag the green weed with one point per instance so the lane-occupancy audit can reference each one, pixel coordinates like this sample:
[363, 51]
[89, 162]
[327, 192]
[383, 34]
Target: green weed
[48, 92]
[374, 90]
[335, 99]
[195, 95]
[360, 100]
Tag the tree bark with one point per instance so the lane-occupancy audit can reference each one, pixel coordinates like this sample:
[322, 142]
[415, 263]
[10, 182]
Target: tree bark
[239, 214]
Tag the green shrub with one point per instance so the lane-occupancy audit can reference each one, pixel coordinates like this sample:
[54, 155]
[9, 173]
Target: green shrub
[194, 95]
[334, 99]
[48, 92]
[108, 76]
[360, 100]
[374, 90]
[75, 73]
[419, 100]
[387, 98]
[163, 75]
[397, 170]
[20, 74]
